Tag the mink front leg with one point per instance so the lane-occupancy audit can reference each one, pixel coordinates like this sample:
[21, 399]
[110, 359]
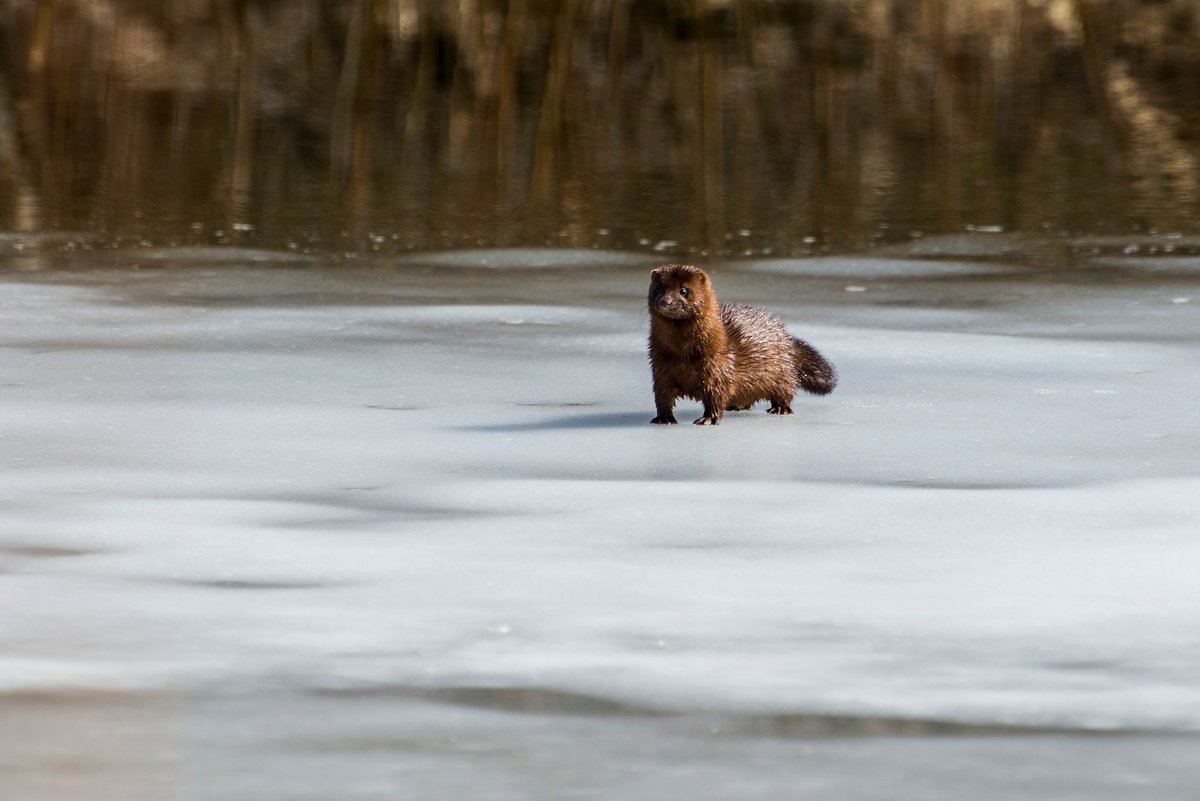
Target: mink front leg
[713, 409]
[664, 402]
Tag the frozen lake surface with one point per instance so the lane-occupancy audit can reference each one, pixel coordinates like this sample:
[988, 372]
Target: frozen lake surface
[281, 528]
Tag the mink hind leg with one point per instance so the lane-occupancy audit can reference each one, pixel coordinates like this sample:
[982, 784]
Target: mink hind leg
[781, 396]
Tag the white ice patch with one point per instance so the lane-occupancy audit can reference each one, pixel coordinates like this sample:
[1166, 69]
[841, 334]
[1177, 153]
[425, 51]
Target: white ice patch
[870, 267]
[974, 526]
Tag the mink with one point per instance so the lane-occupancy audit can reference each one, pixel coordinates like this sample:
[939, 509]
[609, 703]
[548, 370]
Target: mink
[728, 357]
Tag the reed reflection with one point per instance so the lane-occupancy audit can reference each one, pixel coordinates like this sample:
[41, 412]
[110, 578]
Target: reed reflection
[700, 127]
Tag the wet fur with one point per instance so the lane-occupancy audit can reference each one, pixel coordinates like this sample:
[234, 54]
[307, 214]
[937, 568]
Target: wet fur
[726, 357]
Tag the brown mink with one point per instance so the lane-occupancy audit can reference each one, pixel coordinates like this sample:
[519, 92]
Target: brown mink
[726, 357]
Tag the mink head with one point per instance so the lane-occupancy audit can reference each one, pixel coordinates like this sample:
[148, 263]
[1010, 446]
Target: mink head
[679, 291]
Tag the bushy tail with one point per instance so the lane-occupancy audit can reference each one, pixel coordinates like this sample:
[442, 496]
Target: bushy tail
[816, 373]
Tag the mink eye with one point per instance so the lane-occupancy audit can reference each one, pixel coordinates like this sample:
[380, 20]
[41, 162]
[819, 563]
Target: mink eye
[685, 291]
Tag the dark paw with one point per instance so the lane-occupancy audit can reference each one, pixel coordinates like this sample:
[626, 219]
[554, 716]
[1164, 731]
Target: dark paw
[708, 421]
[664, 420]
[780, 410]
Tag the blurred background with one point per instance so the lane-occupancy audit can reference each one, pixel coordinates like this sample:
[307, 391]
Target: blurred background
[710, 128]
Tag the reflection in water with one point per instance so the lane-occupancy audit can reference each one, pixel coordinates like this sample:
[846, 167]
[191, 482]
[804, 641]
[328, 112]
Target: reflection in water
[765, 126]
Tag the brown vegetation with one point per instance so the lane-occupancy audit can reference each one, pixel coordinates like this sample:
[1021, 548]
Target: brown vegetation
[787, 125]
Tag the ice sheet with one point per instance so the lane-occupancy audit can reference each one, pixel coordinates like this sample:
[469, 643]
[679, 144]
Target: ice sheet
[279, 490]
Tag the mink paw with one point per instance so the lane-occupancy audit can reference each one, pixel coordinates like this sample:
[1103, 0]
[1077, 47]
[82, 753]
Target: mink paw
[664, 420]
[780, 410]
[708, 421]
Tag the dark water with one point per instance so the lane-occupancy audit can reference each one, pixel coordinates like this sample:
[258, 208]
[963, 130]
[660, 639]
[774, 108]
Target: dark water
[699, 128]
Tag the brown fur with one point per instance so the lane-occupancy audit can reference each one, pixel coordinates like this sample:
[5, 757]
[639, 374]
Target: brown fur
[726, 357]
